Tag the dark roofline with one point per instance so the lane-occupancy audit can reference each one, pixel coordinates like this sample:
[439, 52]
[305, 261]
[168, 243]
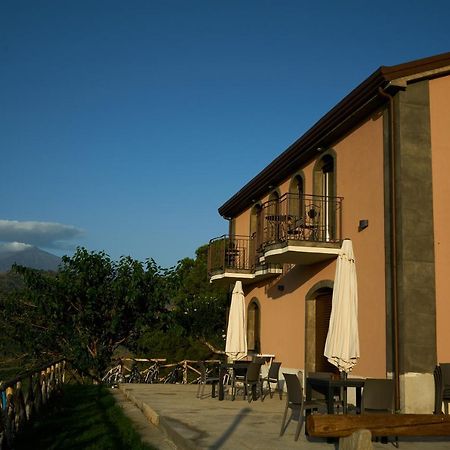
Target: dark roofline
[353, 108]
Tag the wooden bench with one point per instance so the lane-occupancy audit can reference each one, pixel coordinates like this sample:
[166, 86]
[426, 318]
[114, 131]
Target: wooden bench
[333, 425]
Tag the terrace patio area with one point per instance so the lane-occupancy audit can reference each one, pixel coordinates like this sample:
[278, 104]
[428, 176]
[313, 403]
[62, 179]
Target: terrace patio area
[207, 423]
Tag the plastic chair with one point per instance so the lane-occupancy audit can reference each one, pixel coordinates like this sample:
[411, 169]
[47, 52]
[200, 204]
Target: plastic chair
[296, 403]
[378, 397]
[206, 378]
[445, 370]
[258, 359]
[253, 381]
[238, 376]
[273, 377]
[321, 395]
[438, 390]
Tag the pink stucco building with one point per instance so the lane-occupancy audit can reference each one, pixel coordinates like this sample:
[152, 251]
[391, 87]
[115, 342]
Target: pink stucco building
[375, 169]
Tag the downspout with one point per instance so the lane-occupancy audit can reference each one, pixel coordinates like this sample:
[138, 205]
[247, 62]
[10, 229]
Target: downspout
[393, 243]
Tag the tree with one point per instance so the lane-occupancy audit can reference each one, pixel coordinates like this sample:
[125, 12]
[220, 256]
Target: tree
[199, 306]
[84, 311]
[196, 314]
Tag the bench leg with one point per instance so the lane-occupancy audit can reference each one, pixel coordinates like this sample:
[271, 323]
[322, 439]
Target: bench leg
[361, 439]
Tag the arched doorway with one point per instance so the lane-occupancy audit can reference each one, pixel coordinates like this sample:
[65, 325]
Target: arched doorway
[254, 327]
[323, 314]
[318, 312]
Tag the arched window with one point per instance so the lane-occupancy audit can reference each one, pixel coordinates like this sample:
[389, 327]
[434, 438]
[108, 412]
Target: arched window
[325, 192]
[273, 205]
[253, 327]
[272, 210]
[256, 232]
[326, 171]
[296, 197]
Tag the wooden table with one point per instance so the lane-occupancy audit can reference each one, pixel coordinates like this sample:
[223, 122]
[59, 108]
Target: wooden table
[330, 386]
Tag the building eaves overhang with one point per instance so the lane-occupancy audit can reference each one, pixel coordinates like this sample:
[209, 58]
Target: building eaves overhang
[351, 110]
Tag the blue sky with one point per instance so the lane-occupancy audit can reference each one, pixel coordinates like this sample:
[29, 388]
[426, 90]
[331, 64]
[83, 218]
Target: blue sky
[125, 125]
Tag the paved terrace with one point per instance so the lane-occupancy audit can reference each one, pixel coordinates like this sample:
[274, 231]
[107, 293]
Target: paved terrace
[192, 423]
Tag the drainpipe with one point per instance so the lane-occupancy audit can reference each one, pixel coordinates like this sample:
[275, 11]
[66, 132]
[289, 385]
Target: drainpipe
[393, 243]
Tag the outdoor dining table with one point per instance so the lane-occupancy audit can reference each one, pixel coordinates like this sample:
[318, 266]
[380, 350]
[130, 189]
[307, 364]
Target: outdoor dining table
[329, 386]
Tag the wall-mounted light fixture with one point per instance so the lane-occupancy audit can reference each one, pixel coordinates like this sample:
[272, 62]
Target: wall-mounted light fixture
[363, 224]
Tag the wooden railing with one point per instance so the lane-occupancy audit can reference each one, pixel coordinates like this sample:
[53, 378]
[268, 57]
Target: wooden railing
[23, 397]
[137, 370]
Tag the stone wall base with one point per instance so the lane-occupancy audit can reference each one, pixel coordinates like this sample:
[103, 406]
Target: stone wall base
[417, 393]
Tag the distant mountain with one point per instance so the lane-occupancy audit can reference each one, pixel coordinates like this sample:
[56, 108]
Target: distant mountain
[30, 256]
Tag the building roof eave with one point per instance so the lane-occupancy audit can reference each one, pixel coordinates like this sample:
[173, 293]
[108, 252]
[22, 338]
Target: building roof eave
[350, 111]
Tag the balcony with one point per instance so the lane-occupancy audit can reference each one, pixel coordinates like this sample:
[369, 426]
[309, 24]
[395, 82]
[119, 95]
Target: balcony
[233, 258]
[301, 229]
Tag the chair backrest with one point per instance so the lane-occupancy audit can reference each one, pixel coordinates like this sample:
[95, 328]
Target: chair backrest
[438, 390]
[294, 388]
[253, 372]
[318, 393]
[313, 214]
[202, 368]
[258, 359]
[378, 395]
[240, 368]
[445, 370]
[274, 369]
[324, 375]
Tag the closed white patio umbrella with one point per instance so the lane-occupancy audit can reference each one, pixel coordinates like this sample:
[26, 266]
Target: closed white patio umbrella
[342, 344]
[236, 344]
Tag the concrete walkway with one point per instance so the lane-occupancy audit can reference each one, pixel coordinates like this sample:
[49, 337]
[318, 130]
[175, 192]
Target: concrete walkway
[150, 434]
[192, 423]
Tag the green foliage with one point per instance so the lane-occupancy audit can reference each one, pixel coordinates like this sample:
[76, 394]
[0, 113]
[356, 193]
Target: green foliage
[199, 307]
[85, 417]
[171, 344]
[87, 309]
[9, 282]
[93, 305]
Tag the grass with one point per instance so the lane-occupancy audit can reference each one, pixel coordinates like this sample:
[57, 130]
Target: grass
[85, 417]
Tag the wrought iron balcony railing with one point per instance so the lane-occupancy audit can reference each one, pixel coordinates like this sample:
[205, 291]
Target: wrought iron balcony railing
[302, 218]
[233, 253]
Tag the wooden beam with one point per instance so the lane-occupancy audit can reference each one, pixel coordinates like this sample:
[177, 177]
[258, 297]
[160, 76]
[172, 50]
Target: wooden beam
[333, 425]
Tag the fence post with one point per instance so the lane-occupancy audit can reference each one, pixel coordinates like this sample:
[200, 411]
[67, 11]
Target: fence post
[185, 369]
[29, 401]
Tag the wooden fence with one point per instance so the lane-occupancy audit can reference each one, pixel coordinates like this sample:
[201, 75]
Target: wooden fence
[186, 371]
[23, 397]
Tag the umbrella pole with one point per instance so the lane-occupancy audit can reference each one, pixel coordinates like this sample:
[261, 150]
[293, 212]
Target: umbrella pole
[344, 391]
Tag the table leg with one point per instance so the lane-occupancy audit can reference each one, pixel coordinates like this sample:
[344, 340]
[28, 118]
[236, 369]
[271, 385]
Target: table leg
[344, 400]
[308, 392]
[221, 375]
[330, 400]
[358, 400]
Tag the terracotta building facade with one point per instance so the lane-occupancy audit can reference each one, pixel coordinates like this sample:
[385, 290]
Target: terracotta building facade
[375, 169]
